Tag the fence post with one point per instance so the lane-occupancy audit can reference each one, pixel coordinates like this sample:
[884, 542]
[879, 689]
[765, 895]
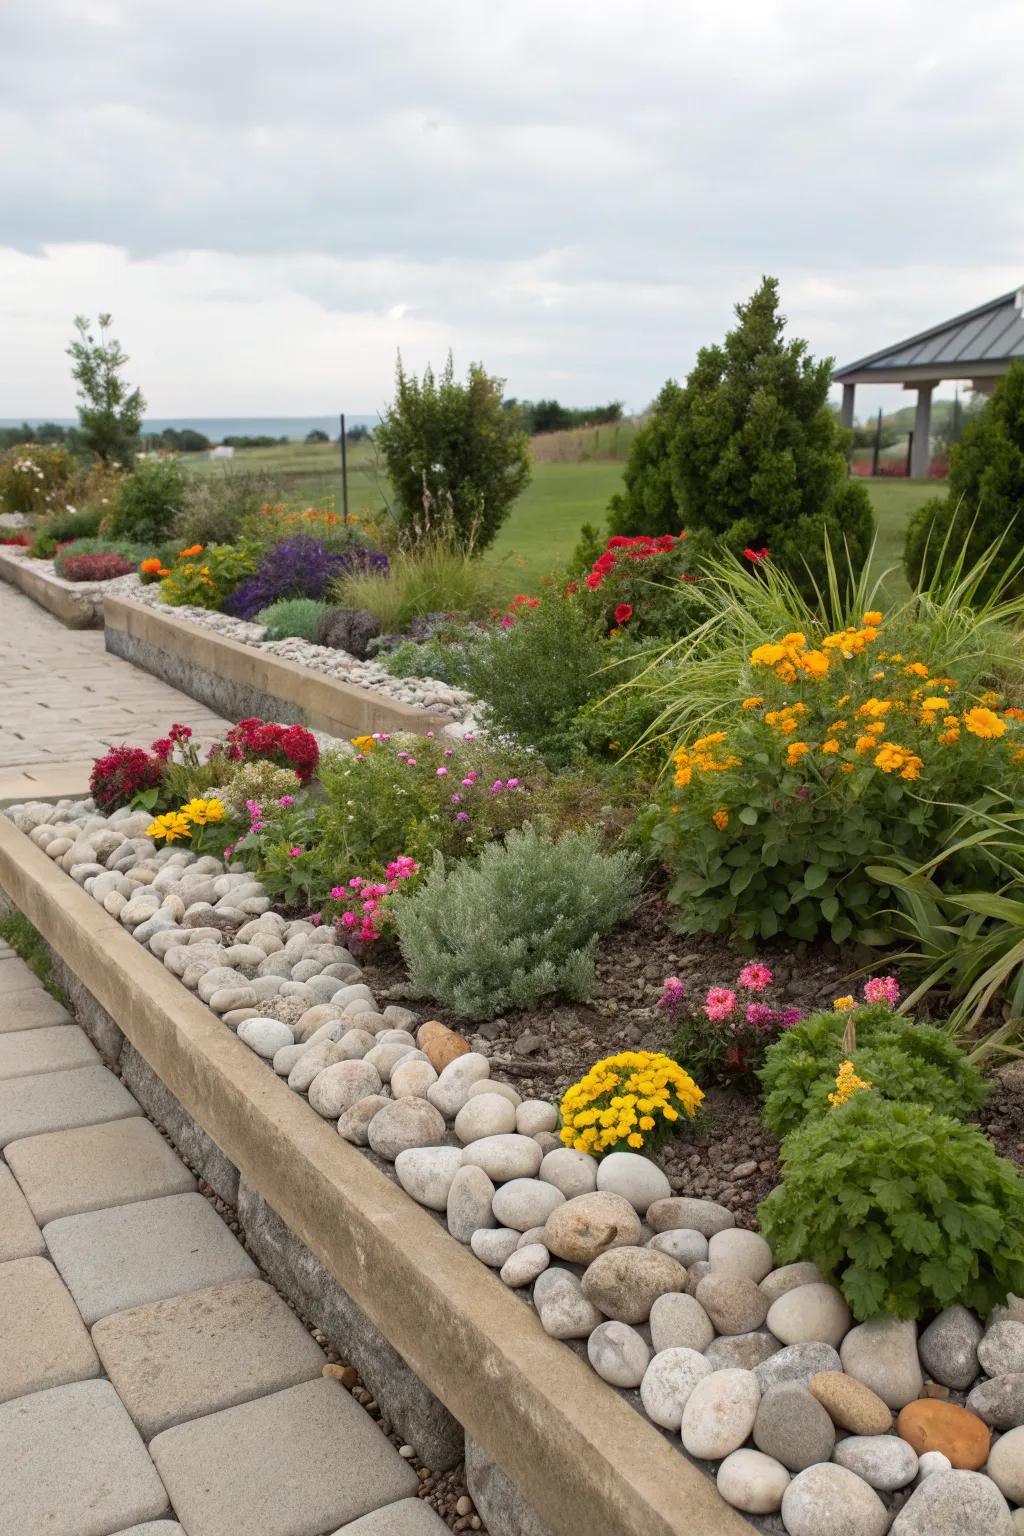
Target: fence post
[910, 450]
[344, 471]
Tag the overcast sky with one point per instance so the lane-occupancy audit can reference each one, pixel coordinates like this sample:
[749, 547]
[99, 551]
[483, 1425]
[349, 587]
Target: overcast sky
[272, 197]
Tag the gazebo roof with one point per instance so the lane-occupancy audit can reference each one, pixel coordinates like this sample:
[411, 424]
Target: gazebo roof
[985, 340]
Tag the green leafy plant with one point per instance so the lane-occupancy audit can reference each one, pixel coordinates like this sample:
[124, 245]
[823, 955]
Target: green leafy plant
[63, 527]
[908, 1211]
[903, 1061]
[442, 656]
[148, 502]
[109, 412]
[515, 925]
[203, 578]
[291, 616]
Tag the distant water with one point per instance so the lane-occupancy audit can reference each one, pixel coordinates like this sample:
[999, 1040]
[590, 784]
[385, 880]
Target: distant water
[216, 428]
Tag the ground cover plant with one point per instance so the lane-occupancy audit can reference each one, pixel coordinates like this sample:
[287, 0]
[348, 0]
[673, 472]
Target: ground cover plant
[291, 616]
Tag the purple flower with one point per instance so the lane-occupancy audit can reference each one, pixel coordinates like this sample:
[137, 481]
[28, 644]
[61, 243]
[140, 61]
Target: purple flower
[461, 816]
[761, 1016]
[298, 567]
[286, 800]
[456, 799]
[497, 787]
[788, 1017]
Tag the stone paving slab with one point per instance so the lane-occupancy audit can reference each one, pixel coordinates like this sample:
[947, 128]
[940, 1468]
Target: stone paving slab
[25, 1052]
[299, 1463]
[68, 1172]
[20, 1237]
[144, 1252]
[59, 1101]
[193, 1355]
[410, 1517]
[72, 1464]
[15, 976]
[154, 1528]
[44, 1341]
[32, 1008]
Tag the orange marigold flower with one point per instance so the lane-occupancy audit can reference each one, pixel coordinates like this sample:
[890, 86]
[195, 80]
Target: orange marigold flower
[874, 707]
[984, 723]
[830, 746]
[947, 738]
[194, 549]
[149, 567]
[721, 818]
[872, 617]
[837, 725]
[845, 767]
[892, 758]
[1013, 713]
[864, 744]
[915, 669]
[794, 752]
[751, 703]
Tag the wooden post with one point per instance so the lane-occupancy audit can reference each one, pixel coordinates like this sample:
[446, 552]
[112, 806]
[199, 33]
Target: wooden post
[344, 471]
[878, 443]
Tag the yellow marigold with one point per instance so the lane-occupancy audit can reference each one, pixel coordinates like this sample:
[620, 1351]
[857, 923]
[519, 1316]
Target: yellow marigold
[845, 767]
[169, 827]
[794, 752]
[813, 663]
[934, 704]
[767, 655]
[876, 728]
[837, 725]
[877, 677]
[874, 707]
[948, 738]
[892, 758]
[200, 812]
[843, 1004]
[915, 669]
[721, 818]
[830, 746]
[364, 744]
[847, 1084]
[786, 672]
[864, 744]
[844, 700]
[984, 723]
[752, 703]
[872, 617]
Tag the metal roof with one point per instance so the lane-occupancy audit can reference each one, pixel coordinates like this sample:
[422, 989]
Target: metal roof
[993, 333]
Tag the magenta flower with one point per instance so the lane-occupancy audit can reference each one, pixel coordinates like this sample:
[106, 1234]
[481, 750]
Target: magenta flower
[761, 1016]
[512, 784]
[449, 752]
[788, 1017]
[349, 919]
[442, 772]
[286, 800]
[497, 787]
[294, 853]
[429, 734]
[461, 816]
[882, 989]
[671, 998]
[315, 918]
[755, 977]
[410, 762]
[719, 1003]
[338, 893]
[456, 799]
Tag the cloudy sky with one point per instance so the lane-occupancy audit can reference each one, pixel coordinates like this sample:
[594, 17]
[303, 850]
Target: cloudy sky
[272, 198]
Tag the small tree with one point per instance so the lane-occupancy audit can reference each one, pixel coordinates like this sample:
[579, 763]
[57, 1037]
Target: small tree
[648, 502]
[318, 435]
[456, 460]
[110, 414]
[985, 499]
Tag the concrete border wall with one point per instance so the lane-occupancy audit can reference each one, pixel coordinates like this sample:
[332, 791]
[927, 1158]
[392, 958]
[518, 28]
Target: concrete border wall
[75, 609]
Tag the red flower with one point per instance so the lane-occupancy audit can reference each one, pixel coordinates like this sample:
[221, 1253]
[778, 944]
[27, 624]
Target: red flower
[570, 589]
[623, 613]
[755, 556]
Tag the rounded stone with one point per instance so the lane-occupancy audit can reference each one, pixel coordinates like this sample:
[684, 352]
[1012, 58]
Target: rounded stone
[745, 1350]
[401, 1124]
[885, 1462]
[524, 1265]
[882, 1354]
[589, 1225]
[534, 1116]
[850, 1404]
[680, 1322]
[695, 1274]
[426, 1173]
[502, 1157]
[930, 1463]
[385, 1058]
[354, 1124]
[310, 1064]
[668, 1382]
[411, 1078]
[525, 1203]
[954, 1504]
[733, 1303]
[618, 1354]
[286, 1057]
[451, 1090]
[810, 1314]
[494, 1245]
[686, 1247]
[635, 1178]
[752, 1482]
[574, 1173]
[341, 1085]
[798, 1362]
[625, 1282]
[930, 1424]
[828, 1498]
[1000, 1402]
[564, 1311]
[705, 1216]
[736, 1252]
[1001, 1351]
[1006, 1465]
[485, 1114]
[948, 1348]
[470, 1201]
[793, 1427]
[720, 1413]
[485, 1085]
[441, 1045]
[265, 1036]
[353, 1044]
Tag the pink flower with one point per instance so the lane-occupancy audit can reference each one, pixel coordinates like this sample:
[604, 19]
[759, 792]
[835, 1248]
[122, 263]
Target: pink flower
[442, 772]
[461, 816]
[761, 1016]
[755, 977]
[882, 989]
[349, 919]
[294, 853]
[429, 734]
[719, 1003]
[788, 1017]
[315, 918]
[672, 996]
[410, 762]
[497, 787]
[338, 893]
[456, 799]
[286, 800]
[448, 752]
[512, 784]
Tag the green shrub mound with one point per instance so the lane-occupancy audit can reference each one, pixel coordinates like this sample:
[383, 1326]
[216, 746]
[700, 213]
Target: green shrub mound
[905, 1062]
[517, 924]
[907, 1210]
[83, 523]
[149, 502]
[291, 617]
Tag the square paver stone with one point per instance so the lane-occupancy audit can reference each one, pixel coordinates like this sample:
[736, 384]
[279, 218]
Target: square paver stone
[72, 1464]
[32, 1008]
[192, 1355]
[19, 1233]
[298, 1463]
[409, 1517]
[67, 1172]
[45, 1342]
[57, 1048]
[15, 976]
[59, 1101]
[143, 1252]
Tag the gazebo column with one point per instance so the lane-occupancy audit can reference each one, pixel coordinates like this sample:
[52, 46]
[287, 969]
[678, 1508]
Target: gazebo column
[920, 455]
[846, 410]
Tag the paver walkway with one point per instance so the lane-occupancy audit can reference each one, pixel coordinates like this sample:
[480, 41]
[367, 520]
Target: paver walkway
[151, 1383]
[63, 700]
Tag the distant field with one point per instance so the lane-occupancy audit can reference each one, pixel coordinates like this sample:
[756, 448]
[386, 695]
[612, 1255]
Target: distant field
[544, 526]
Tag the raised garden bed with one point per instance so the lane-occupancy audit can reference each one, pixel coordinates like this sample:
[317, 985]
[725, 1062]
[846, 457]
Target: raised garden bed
[78, 604]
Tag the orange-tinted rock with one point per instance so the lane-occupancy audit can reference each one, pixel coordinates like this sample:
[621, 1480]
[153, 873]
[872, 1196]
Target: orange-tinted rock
[850, 1403]
[440, 1044]
[931, 1425]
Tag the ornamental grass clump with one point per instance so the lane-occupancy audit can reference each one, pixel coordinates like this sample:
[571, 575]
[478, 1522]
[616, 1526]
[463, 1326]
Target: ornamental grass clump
[632, 1102]
[904, 1061]
[517, 924]
[907, 1210]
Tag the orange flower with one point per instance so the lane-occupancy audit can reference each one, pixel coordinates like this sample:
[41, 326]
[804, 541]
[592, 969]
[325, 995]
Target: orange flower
[195, 549]
[150, 567]
[721, 818]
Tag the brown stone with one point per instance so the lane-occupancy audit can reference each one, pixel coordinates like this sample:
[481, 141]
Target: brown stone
[440, 1044]
[346, 1374]
[850, 1404]
[930, 1425]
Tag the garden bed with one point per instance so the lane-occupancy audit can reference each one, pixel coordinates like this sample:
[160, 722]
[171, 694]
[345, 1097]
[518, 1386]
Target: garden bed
[78, 604]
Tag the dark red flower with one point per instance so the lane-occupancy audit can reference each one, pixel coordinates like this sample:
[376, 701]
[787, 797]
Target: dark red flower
[623, 613]
[755, 556]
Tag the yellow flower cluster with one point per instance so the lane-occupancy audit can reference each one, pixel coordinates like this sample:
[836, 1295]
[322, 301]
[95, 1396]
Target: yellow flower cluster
[364, 743]
[790, 658]
[700, 758]
[626, 1101]
[893, 759]
[847, 1084]
[175, 824]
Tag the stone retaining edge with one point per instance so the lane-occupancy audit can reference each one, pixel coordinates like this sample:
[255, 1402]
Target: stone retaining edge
[73, 609]
[582, 1457]
[239, 680]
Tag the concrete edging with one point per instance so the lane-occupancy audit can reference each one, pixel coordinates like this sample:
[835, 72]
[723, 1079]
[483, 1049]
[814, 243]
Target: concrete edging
[77, 610]
[579, 1454]
[239, 680]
